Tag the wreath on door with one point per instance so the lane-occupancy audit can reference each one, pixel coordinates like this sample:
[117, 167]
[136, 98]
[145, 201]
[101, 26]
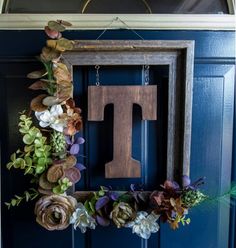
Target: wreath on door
[50, 157]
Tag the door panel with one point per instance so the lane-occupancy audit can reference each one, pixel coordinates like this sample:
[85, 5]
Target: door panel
[211, 152]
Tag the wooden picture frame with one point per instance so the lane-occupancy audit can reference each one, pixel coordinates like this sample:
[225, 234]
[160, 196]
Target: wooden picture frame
[179, 57]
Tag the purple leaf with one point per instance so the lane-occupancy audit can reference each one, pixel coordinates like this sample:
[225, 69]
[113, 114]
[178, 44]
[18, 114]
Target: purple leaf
[68, 140]
[102, 221]
[74, 149]
[80, 166]
[175, 185]
[79, 141]
[186, 181]
[101, 202]
[113, 195]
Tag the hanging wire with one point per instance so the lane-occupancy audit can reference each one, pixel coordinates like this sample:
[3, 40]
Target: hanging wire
[106, 28]
[97, 67]
[117, 19]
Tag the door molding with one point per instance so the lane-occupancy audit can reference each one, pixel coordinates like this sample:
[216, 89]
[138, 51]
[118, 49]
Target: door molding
[178, 55]
[133, 21]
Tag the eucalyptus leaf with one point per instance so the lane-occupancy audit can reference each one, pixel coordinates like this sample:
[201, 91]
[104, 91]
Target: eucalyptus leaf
[28, 139]
[56, 26]
[37, 74]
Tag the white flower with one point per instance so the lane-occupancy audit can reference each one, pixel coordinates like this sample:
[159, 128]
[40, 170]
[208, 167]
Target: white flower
[144, 224]
[80, 218]
[51, 118]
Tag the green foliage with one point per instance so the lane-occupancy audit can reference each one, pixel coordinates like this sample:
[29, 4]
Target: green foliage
[90, 203]
[27, 196]
[63, 185]
[185, 221]
[36, 156]
[51, 89]
[191, 198]
[127, 198]
[58, 143]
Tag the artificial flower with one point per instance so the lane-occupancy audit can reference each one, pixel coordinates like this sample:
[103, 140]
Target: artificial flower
[51, 118]
[80, 218]
[144, 225]
[53, 212]
[73, 117]
[58, 143]
[122, 214]
[191, 198]
[177, 213]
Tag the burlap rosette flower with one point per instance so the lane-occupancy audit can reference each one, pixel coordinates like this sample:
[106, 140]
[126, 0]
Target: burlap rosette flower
[122, 214]
[53, 212]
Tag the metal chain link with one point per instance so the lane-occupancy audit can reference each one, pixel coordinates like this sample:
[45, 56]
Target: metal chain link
[97, 67]
[146, 74]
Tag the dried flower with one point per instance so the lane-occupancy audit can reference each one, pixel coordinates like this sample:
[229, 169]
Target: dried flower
[144, 225]
[122, 214]
[51, 118]
[73, 117]
[53, 212]
[82, 219]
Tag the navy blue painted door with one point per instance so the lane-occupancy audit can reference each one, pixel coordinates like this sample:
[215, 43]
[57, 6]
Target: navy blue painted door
[212, 140]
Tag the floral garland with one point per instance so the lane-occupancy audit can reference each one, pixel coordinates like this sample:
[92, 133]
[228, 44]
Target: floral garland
[50, 158]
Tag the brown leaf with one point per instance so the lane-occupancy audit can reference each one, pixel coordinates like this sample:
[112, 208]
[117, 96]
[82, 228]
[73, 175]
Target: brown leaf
[67, 163]
[51, 100]
[61, 44]
[174, 224]
[55, 172]
[71, 161]
[55, 26]
[37, 105]
[38, 85]
[45, 191]
[52, 44]
[49, 54]
[73, 174]
[65, 44]
[61, 73]
[172, 202]
[44, 183]
[37, 74]
[64, 93]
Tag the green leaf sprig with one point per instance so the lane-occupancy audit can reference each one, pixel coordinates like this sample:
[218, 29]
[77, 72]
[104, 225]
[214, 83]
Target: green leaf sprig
[36, 156]
[27, 196]
[63, 185]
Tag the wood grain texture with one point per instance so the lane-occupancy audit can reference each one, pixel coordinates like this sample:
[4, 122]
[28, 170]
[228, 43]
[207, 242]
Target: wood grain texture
[123, 98]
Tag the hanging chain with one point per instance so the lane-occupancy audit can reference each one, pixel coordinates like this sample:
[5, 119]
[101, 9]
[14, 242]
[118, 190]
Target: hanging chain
[97, 67]
[146, 74]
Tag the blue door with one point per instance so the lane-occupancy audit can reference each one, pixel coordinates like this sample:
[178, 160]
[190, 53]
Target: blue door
[212, 147]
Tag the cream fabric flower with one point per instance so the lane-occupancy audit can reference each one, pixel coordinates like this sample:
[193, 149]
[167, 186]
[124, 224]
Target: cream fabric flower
[144, 225]
[82, 219]
[51, 118]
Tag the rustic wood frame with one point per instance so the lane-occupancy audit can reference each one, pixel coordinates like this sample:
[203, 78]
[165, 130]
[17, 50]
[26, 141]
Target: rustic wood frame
[179, 56]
